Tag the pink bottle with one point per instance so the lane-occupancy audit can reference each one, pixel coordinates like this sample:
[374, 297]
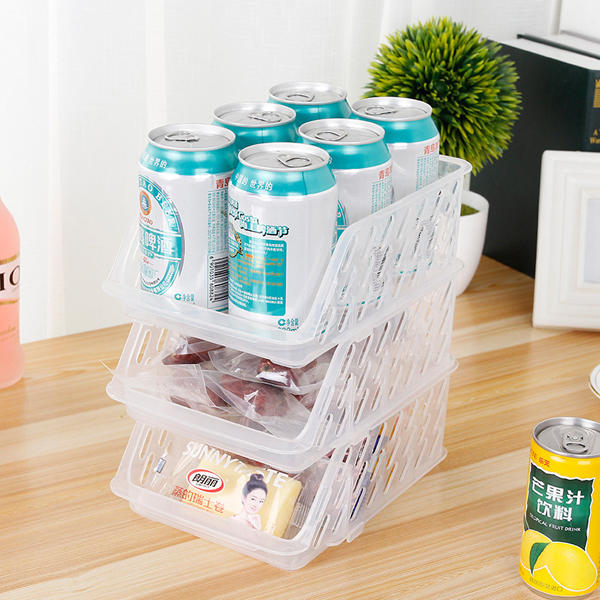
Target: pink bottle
[11, 353]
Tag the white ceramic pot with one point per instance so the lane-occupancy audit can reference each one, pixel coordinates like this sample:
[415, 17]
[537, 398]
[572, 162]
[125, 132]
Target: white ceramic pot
[471, 235]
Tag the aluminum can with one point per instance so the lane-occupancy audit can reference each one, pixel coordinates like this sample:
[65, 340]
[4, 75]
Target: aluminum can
[282, 216]
[360, 162]
[311, 100]
[257, 122]
[411, 136]
[183, 179]
[560, 546]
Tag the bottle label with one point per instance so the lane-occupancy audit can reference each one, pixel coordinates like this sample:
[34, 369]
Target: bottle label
[10, 276]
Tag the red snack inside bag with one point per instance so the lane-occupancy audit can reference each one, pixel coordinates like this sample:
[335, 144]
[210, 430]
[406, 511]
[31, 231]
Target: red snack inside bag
[192, 351]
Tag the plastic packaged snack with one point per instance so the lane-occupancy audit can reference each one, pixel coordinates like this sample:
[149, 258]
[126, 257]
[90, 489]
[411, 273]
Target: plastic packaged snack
[278, 411]
[190, 351]
[298, 381]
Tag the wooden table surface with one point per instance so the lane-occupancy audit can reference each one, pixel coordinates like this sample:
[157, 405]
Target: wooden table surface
[455, 534]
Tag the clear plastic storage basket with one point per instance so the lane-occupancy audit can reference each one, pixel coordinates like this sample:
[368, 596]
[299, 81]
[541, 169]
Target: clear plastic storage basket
[380, 263]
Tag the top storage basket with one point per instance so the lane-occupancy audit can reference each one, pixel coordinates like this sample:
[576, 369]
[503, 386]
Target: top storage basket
[401, 248]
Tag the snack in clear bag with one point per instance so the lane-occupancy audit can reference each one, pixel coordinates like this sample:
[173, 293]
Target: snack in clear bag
[177, 373]
[190, 351]
[275, 409]
[298, 381]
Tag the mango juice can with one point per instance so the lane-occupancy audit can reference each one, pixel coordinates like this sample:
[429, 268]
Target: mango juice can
[257, 122]
[183, 177]
[282, 215]
[560, 545]
[311, 100]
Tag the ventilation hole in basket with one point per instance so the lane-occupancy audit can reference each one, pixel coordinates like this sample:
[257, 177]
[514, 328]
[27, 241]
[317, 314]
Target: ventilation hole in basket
[162, 438]
[344, 318]
[341, 425]
[372, 493]
[338, 522]
[348, 259]
[376, 399]
[359, 406]
[340, 496]
[324, 430]
[361, 478]
[347, 361]
[147, 469]
[162, 339]
[364, 352]
[349, 388]
[390, 479]
[399, 327]
[140, 356]
[146, 443]
[321, 530]
[384, 338]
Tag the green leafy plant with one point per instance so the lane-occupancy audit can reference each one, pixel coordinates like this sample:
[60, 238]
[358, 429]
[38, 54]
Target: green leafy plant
[469, 85]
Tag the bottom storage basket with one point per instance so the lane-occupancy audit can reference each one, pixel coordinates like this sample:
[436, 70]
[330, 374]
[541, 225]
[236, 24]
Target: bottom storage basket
[285, 519]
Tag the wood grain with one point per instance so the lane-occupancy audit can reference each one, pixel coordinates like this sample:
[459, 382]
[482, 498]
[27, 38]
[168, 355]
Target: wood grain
[455, 534]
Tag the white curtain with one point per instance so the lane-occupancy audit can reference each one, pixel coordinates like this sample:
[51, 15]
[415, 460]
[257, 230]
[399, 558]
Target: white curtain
[84, 82]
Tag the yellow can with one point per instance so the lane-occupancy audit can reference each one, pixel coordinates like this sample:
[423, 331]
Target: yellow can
[560, 546]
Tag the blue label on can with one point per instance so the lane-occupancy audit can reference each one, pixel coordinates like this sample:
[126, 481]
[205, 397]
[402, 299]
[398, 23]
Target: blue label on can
[163, 160]
[257, 273]
[162, 249]
[278, 183]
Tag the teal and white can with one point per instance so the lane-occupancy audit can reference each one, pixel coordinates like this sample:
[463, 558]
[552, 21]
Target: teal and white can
[183, 184]
[282, 223]
[257, 122]
[312, 100]
[361, 163]
[411, 136]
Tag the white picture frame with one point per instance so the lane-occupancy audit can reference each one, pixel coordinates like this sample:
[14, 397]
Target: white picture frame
[567, 275]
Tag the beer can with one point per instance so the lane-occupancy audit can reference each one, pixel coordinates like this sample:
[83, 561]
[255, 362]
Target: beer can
[560, 545]
[282, 215]
[411, 136]
[361, 164]
[257, 122]
[311, 100]
[183, 179]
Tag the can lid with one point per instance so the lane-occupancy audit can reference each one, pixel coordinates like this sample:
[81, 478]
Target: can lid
[569, 436]
[284, 156]
[255, 114]
[342, 132]
[307, 92]
[387, 108]
[192, 137]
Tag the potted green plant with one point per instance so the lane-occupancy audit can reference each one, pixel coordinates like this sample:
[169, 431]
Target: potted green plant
[471, 89]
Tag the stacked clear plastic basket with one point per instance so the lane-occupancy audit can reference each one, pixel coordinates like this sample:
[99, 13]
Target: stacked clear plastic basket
[377, 422]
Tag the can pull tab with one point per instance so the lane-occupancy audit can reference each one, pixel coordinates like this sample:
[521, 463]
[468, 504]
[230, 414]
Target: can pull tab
[330, 135]
[300, 96]
[378, 110]
[573, 441]
[294, 161]
[182, 136]
[265, 116]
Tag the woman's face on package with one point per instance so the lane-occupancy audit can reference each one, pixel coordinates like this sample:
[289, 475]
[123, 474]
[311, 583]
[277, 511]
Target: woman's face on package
[254, 501]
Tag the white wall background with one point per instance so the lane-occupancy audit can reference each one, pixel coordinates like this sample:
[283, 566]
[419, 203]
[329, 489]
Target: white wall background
[85, 80]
